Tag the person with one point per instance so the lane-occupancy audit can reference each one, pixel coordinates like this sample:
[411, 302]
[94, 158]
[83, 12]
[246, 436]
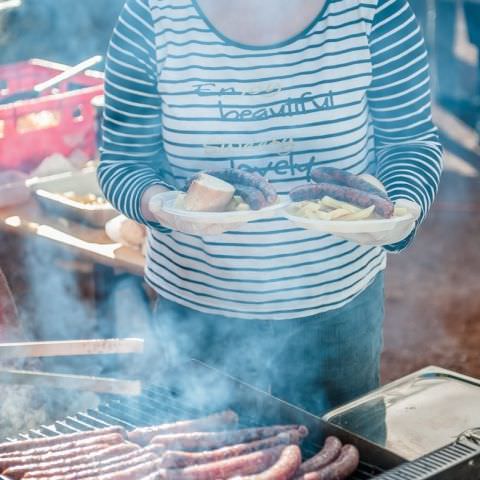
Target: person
[206, 84]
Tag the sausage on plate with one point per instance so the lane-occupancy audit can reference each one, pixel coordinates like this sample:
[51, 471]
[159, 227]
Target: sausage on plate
[383, 207]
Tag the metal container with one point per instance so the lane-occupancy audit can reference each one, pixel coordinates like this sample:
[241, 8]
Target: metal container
[415, 415]
[59, 195]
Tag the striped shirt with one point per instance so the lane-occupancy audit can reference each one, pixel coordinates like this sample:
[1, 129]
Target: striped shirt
[350, 91]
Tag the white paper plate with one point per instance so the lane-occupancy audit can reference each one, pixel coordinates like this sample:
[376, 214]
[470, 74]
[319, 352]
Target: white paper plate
[221, 217]
[347, 226]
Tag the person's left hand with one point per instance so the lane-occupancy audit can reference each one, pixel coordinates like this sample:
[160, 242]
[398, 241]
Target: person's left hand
[397, 234]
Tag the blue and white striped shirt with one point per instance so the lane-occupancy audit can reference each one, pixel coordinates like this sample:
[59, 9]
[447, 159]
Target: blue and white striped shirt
[350, 91]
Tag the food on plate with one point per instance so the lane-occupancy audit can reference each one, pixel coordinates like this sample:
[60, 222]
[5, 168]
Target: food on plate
[207, 193]
[252, 188]
[123, 230]
[340, 195]
[13, 189]
[86, 199]
[208, 448]
[338, 176]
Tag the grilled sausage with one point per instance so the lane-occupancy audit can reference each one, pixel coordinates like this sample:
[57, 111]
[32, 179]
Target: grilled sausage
[252, 196]
[218, 421]
[178, 459]
[340, 469]
[60, 447]
[48, 457]
[284, 468]
[60, 439]
[110, 451]
[243, 465]
[342, 177]
[211, 440]
[92, 470]
[70, 471]
[329, 453]
[132, 473]
[238, 177]
[356, 197]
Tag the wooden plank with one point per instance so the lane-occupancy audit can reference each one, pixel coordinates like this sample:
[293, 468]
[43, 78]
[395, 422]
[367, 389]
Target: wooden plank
[71, 348]
[87, 242]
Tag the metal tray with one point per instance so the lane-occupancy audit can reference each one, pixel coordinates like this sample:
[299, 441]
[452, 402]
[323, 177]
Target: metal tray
[50, 193]
[414, 415]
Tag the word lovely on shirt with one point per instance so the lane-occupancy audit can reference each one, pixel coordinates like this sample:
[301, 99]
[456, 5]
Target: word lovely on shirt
[305, 103]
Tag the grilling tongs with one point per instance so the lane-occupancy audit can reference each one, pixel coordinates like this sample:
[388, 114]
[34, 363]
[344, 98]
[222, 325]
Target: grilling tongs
[71, 348]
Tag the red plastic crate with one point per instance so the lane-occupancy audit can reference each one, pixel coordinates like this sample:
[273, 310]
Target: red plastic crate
[62, 122]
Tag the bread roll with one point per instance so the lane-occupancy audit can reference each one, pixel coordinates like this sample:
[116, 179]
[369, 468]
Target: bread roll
[208, 194]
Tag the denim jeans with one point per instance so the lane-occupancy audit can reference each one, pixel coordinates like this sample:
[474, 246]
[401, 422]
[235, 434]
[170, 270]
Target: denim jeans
[317, 362]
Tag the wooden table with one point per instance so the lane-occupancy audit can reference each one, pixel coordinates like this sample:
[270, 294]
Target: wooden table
[88, 243]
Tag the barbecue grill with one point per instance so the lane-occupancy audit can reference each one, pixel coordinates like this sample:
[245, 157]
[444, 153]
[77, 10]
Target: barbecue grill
[187, 393]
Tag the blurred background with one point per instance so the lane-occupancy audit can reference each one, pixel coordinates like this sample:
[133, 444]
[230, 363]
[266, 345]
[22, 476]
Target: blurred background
[433, 289]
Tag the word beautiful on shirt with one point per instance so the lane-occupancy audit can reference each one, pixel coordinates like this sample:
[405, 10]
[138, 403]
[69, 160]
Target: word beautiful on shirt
[305, 103]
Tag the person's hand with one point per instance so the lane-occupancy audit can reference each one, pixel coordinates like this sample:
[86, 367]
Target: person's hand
[397, 234]
[155, 206]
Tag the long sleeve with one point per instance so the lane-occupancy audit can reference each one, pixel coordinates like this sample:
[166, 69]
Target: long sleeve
[132, 157]
[409, 153]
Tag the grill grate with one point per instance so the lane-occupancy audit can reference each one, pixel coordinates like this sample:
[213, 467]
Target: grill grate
[434, 464]
[156, 405]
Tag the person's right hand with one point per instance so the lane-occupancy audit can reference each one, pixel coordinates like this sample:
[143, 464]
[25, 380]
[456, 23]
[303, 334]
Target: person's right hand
[155, 205]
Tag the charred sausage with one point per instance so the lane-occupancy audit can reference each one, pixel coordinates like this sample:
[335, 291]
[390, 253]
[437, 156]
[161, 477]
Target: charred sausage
[60, 439]
[342, 177]
[243, 465]
[284, 468]
[329, 453]
[211, 440]
[110, 451]
[340, 469]
[252, 196]
[60, 447]
[218, 421]
[354, 196]
[179, 459]
[237, 177]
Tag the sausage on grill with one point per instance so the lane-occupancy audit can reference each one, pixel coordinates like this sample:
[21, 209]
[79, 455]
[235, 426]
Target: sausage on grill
[60, 439]
[49, 457]
[342, 177]
[218, 421]
[383, 207]
[91, 471]
[61, 447]
[111, 451]
[243, 465]
[284, 468]
[70, 471]
[179, 459]
[340, 469]
[133, 473]
[211, 440]
[329, 453]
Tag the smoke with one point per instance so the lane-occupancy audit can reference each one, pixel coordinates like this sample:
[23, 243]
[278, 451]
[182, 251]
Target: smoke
[58, 30]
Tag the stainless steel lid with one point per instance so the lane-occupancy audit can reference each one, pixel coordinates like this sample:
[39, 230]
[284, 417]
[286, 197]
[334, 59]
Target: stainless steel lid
[415, 414]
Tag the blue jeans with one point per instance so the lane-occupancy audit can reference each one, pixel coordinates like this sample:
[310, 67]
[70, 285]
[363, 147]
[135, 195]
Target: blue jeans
[317, 362]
